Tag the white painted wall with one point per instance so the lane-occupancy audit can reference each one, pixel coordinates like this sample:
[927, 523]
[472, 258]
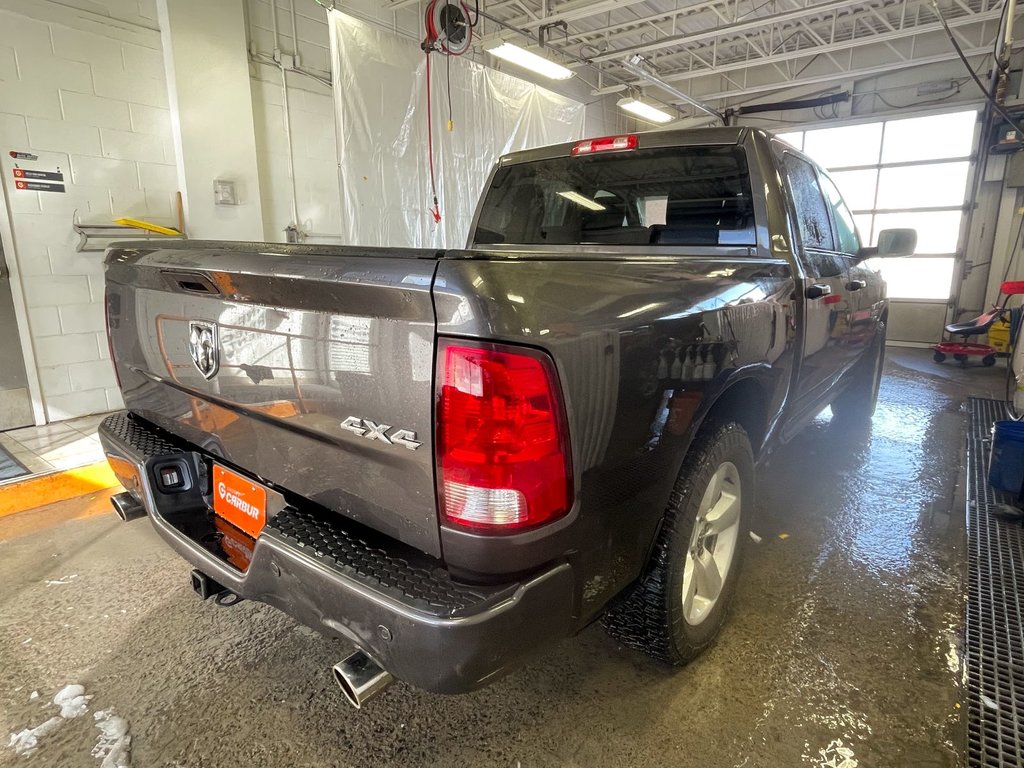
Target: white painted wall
[315, 155]
[82, 86]
[312, 112]
[212, 115]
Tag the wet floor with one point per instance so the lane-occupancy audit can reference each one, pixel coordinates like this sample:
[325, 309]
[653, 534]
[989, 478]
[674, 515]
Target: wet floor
[843, 643]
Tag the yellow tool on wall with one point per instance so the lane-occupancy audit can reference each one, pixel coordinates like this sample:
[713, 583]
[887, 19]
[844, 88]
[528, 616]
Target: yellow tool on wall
[146, 225]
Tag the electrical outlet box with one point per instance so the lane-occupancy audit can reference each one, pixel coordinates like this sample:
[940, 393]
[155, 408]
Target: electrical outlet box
[224, 192]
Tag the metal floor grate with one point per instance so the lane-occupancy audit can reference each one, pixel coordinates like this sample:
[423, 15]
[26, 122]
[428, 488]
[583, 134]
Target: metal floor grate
[994, 651]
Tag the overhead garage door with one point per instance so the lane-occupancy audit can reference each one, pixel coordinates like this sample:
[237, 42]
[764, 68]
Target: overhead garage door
[911, 172]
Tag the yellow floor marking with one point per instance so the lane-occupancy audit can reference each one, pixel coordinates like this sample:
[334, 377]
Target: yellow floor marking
[38, 491]
[48, 516]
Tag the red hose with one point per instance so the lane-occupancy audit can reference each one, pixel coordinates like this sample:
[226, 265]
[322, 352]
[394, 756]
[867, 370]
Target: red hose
[430, 148]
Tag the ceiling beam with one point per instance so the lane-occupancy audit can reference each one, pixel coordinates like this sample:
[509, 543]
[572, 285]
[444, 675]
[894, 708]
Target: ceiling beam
[857, 73]
[575, 11]
[735, 28]
[681, 76]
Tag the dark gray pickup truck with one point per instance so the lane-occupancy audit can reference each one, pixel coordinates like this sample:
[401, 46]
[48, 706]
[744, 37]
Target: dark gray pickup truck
[451, 458]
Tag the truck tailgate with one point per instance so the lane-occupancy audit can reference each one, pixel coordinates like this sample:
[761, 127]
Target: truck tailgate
[322, 358]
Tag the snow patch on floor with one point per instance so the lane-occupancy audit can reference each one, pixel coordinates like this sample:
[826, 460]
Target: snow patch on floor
[114, 744]
[25, 742]
[61, 580]
[72, 701]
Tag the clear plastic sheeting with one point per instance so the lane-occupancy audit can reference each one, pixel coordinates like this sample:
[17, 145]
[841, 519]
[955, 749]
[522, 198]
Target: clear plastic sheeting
[380, 105]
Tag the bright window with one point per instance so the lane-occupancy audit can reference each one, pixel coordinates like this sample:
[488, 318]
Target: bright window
[917, 278]
[910, 172]
[858, 188]
[845, 146]
[929, 138]
[922, 186]
[796, 139]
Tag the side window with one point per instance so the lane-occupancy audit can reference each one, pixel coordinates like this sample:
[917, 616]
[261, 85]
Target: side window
[813, 220]
[811, 210]
[846, 228]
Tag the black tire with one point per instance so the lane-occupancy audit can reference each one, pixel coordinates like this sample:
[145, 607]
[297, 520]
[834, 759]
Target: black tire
[857, 402]
[988, 361]
[939, 357]
[960, 358]
[652, 617]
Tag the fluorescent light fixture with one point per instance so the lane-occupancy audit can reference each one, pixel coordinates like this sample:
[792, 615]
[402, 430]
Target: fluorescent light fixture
[528, 60]
[644, 111]
[586, 202]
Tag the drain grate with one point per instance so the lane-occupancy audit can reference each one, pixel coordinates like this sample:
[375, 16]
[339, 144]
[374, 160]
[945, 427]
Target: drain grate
[994, 649]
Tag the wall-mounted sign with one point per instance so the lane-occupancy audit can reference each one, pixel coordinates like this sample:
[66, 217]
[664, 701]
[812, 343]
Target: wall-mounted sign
[22, 155]
[30, 180]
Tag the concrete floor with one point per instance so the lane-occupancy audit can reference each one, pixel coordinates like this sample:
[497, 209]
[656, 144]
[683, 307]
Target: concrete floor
[843, 643]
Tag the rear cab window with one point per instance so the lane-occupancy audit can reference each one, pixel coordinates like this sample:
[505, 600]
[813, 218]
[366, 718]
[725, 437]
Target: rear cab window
[671, 196]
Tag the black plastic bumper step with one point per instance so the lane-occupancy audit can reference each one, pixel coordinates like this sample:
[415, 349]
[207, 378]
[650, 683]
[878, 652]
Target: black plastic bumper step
[354, 551]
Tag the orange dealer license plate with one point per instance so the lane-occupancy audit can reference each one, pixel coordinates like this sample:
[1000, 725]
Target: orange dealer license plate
[239, 501]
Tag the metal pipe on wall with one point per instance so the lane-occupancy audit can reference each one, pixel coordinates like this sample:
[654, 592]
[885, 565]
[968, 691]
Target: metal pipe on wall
[287, 119]
[295, 39]
[1011, 10]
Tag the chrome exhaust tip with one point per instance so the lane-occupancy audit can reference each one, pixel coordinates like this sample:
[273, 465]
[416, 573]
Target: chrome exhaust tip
[127, 507]
[361, 678]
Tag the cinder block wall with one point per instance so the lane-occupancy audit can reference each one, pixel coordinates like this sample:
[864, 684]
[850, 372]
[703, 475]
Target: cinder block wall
[85, 91]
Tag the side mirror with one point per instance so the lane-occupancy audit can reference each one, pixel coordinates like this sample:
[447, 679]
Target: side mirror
[897, 242]
[892, 243]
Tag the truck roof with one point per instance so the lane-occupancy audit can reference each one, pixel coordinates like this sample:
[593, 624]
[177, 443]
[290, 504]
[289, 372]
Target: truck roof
[678, 137]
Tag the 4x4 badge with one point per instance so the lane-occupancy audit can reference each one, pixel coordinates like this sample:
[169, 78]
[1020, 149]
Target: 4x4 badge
[204, 347]
[372, 431]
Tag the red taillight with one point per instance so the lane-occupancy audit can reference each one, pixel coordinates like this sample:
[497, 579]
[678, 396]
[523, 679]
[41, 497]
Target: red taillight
[605, 144]
[503, 459]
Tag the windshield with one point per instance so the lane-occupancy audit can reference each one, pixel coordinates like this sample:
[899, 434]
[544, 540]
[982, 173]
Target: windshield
[669, 196]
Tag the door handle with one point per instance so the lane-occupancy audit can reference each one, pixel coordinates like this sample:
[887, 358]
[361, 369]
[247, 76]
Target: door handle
[817, 290]
[856, 285]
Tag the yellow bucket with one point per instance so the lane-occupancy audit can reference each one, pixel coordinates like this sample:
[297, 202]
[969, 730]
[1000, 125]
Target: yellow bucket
[999, 335]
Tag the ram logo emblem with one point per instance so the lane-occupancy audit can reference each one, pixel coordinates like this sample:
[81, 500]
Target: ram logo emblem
[204, 347]
[373, 431]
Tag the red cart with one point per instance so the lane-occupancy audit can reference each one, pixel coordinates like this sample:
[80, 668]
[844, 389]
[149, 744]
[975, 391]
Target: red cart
[962, 350]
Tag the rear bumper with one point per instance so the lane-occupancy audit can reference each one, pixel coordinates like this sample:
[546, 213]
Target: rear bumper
[396, 604]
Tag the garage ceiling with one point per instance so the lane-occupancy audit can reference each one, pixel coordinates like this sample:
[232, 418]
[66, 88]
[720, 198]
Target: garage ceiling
[728, 52]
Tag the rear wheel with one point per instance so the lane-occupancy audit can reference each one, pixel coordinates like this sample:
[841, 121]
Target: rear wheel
[680, 604]
[939, 357]
[857, 402]
[988, 360]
